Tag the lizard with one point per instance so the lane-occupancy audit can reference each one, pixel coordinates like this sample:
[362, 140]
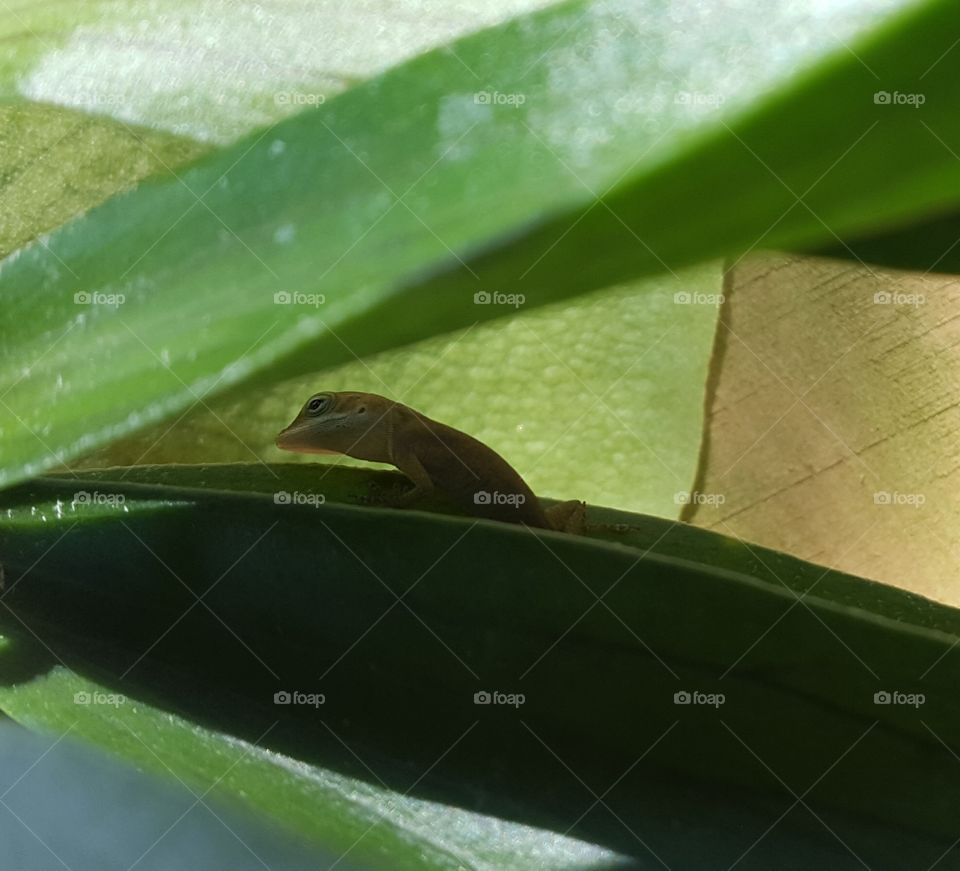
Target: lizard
[431, 454]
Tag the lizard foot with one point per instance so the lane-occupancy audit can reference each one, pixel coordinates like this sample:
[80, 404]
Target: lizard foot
[567, 516]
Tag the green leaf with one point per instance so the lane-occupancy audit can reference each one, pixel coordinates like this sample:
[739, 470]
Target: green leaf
[400, 617]
[214, 71]
[58, 69]
[356, 821]
[473, 169]
[48, 817]
[929, 246]
[56, 163]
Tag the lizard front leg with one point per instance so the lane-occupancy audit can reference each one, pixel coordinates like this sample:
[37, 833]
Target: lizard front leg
[410, 465]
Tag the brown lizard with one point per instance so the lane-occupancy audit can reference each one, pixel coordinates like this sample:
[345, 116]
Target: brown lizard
[431, 454]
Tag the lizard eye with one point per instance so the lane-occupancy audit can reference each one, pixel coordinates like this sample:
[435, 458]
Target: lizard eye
[317, 404]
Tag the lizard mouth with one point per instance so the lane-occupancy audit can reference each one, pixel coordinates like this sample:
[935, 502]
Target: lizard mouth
[296, 437]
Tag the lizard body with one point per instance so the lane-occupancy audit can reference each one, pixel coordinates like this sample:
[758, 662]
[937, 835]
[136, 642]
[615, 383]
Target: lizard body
[431, 454]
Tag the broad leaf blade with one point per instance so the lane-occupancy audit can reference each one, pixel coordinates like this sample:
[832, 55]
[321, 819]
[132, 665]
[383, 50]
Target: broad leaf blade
[136, 820]
[360, 824]
[929, 246]
[213, 71]
[400, 618]
[402, 198]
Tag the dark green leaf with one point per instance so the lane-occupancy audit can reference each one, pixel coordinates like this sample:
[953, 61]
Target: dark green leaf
[399, 618]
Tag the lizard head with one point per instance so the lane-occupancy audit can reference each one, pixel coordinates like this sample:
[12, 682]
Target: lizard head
[330, 423]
